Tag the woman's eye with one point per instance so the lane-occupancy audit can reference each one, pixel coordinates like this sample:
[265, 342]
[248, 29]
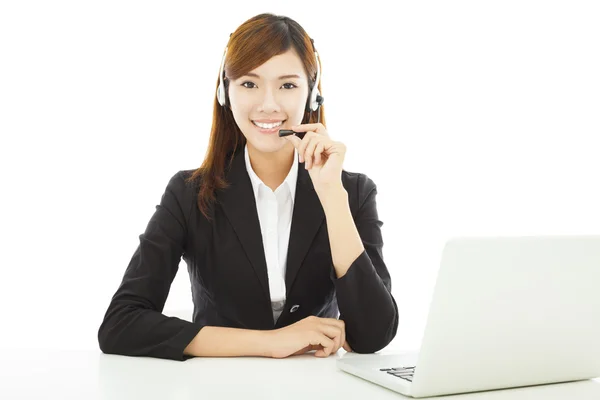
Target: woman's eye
[284, 85]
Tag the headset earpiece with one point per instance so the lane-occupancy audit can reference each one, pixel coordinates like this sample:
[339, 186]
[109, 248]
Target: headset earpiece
[221, 95]
[315, 98]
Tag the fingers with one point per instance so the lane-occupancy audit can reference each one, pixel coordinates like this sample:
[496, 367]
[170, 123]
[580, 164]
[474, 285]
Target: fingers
[304, 350]
[310, 152]
[334, 328]
[318, 151]
[312, 149]
[296, 142]
[334, 333]
[311, 130]
[323, 340]
[347, 347]
[328, 335]
[312, 146]
[317, 127]
[342, 326]
[305, 155]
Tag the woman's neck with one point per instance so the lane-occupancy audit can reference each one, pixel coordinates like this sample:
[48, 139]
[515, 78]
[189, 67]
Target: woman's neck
[272, 168]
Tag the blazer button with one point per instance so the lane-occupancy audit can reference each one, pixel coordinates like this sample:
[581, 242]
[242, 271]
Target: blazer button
[294, 307]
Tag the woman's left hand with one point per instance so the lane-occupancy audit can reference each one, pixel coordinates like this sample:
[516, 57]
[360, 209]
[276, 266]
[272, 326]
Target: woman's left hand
[323, 157]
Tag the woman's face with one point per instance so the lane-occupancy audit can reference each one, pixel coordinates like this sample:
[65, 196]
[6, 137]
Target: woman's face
[275, 92]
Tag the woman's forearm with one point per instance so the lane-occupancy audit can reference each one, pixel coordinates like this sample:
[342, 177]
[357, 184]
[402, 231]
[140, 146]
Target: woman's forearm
[216, 341]
[344, 239]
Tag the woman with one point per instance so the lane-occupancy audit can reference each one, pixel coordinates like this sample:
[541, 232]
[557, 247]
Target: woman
[278, 238]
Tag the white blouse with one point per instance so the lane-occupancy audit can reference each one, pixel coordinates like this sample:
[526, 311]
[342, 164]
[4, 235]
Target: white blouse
[275, 210]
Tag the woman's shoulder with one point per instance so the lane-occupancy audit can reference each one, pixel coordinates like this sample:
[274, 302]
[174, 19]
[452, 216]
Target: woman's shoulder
[183, 184]
[357, 182]
[189, 178]
[359, 187]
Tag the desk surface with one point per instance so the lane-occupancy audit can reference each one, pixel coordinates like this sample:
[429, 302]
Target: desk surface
[93, 375]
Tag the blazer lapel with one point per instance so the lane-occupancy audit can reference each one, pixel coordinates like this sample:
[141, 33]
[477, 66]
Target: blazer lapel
[307, 217]
[239, 205]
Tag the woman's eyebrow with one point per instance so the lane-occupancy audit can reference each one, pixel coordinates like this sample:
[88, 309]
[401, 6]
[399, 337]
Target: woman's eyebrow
[281, 77]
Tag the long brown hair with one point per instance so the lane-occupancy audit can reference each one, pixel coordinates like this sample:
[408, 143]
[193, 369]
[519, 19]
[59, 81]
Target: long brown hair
[251, 45]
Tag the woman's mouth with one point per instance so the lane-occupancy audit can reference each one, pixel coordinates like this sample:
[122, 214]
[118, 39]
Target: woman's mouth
[268, 127]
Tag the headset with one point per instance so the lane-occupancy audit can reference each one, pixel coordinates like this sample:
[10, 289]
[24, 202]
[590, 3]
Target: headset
[314, 102]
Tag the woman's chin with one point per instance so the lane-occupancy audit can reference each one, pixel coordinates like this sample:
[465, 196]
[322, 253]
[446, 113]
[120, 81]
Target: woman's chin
[268, 145]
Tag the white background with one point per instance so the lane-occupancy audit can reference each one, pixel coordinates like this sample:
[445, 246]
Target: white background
[473, 118]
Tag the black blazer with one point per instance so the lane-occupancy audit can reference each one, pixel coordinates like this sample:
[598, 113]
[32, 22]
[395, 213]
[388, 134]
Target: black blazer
[228, 272]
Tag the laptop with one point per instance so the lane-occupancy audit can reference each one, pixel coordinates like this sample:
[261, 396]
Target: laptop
[506, 312]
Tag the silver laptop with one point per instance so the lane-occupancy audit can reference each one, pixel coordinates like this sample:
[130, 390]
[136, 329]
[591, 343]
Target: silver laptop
[506, 312]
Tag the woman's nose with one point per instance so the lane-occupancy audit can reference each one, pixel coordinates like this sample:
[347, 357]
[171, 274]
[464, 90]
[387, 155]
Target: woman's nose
[269, 101]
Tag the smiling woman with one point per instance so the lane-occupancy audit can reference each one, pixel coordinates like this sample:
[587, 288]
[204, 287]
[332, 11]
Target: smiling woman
[283, 260]
[267, 72]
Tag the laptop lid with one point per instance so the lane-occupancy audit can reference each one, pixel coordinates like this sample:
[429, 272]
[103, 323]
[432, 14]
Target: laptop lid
[512, 311]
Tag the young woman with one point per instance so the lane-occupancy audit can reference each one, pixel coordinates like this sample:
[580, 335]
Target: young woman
[279, 239]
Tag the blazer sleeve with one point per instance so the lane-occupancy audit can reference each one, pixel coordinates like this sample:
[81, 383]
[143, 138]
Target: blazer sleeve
[365, 301]
[134, 324]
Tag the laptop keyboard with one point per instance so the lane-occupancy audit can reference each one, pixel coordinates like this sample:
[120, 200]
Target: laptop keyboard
[405, 373]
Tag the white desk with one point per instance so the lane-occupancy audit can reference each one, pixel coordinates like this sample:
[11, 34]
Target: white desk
[93, 375]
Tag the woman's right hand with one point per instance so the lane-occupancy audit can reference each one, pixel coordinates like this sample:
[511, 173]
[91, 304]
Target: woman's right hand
[326, 335]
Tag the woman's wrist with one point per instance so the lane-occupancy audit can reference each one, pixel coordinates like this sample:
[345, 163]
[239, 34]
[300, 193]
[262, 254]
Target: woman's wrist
[268, 342]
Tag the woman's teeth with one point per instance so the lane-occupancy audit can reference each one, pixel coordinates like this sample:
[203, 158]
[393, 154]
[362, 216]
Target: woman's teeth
[267, 126]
